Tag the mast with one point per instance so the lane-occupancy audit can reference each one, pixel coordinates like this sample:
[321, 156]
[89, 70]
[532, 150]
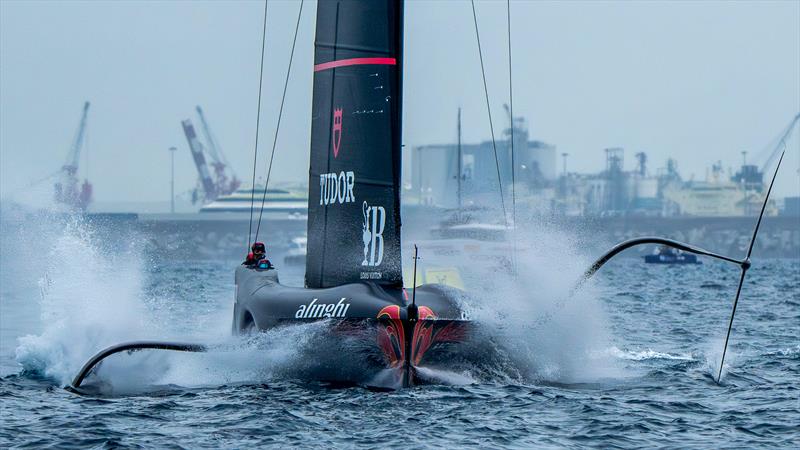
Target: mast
[460, 162]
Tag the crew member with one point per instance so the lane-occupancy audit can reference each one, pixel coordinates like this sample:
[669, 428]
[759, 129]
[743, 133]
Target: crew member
[257, 252]
[260, 255]
[264, 264]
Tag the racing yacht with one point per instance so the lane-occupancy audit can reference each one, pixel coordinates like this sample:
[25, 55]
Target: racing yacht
[354, 265]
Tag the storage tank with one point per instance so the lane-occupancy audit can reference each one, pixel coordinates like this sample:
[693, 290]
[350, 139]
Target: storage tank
[646, 188]
[544, 155]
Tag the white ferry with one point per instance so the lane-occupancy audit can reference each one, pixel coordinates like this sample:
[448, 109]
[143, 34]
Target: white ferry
[293, 203]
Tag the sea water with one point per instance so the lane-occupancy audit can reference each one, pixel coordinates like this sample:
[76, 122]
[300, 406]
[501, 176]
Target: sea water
[630, 360]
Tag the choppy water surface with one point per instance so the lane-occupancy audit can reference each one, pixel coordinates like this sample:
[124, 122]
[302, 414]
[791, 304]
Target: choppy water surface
[629, 362]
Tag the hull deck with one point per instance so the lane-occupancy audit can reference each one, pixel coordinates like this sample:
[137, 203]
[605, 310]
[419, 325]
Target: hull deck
[372, 335]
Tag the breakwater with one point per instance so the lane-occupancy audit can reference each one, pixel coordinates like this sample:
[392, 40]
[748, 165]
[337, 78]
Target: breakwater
[225, 236]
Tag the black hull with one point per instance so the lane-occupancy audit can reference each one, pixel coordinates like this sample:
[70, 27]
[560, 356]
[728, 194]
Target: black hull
[386, 342]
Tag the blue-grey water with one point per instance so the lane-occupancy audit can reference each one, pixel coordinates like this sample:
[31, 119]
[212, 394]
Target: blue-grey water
[630, 362]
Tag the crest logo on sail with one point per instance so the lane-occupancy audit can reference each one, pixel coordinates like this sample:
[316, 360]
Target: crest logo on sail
[337, 131]
[372, 234]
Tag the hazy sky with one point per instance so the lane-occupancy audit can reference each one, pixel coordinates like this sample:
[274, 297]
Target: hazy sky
[699, 81]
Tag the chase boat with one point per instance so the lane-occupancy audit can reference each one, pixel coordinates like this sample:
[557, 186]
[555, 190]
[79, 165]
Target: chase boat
[667, 255]
[296, 256]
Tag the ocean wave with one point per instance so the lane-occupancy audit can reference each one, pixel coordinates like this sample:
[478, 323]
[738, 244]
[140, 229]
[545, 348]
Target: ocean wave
[646, 355]
[791, 352]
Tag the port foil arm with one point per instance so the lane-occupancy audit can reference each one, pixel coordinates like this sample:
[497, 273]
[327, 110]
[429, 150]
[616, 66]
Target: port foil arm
[129, 347]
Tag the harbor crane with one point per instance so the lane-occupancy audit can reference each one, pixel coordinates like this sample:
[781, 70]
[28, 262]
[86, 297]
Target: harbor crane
[517, 123]
[786, 133]
[209, 188]
[66, 188]
[226, 183]
[751, 175]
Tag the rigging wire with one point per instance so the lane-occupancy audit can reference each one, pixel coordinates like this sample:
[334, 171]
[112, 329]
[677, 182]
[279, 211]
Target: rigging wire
[513, 163]
[258, 121]
[280, 115]
[489, 111]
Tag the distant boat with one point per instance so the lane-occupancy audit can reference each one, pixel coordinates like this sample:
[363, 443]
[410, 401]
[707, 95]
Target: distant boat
[277, 201]
[472, 232]
[296, 256]
[667, 255]
[470, 223]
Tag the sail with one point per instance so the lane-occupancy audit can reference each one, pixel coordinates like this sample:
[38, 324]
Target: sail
[354, 176]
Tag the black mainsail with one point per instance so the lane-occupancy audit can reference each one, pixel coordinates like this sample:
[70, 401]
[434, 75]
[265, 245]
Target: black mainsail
[354, 177]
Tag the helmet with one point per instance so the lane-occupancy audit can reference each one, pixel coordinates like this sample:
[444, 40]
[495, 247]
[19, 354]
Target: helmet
[259, 247]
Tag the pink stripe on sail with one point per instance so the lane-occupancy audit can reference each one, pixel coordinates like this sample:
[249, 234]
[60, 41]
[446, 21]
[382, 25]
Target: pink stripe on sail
[355, 62]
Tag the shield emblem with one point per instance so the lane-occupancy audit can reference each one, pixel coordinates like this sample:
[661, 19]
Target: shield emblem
[337, 130]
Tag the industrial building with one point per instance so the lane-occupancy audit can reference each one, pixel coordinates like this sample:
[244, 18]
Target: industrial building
[454, 175]
[449, 175]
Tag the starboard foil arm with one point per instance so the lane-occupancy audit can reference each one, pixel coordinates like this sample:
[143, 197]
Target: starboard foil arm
[624, 245]
[130, 347]
[744, 263]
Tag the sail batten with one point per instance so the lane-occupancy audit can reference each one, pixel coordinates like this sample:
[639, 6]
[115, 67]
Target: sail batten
[354, 176]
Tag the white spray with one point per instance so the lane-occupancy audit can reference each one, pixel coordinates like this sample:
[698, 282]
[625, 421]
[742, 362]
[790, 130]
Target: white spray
[537, 329]
[93, 297]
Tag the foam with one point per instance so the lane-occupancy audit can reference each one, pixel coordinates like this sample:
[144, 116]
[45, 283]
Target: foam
[87, 303]
[540, 331]
[645, 355]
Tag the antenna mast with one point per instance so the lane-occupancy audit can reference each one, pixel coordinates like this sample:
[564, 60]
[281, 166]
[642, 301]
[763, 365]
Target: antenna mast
[460, 173]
